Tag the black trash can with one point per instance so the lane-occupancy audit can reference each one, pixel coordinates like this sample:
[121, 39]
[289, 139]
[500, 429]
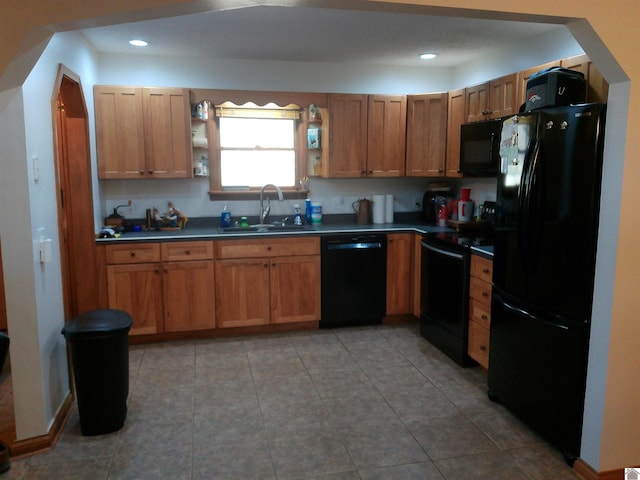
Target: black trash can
[99, 344]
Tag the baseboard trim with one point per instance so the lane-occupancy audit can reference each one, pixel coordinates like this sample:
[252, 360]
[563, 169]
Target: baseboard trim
[586, 472]
[44, 443]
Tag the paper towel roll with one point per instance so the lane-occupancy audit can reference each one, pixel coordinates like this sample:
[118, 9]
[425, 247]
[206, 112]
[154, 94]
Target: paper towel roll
[378, 209]
[388, 209]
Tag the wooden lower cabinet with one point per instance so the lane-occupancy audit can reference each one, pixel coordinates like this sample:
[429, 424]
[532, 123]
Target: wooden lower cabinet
[188, 296]
[295, 289]
[242, 292]
[399, 274]
[160, 294]
[480, 309]
[137, 290]
[257, 285]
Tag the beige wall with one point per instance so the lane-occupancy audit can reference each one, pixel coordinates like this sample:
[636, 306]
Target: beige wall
[24, 23]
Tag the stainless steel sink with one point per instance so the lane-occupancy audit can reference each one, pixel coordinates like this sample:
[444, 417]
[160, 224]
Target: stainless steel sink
[265, 228]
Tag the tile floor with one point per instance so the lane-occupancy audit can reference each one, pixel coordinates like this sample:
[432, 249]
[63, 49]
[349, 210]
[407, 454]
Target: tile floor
[361, 403]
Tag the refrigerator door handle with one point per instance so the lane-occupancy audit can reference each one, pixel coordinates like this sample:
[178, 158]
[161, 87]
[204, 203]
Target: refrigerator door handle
[524, 202]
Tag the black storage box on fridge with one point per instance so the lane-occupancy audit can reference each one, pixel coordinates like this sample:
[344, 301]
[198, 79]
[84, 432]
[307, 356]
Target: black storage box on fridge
[555, 87]
[99, 345]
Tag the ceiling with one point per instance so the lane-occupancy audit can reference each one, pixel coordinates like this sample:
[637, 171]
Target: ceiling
[305, 34]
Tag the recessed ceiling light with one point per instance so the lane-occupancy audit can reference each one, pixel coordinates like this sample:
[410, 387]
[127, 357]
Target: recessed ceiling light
[428, 56]
[138, 43]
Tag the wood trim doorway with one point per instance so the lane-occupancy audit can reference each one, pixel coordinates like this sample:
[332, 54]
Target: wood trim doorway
[74, 194]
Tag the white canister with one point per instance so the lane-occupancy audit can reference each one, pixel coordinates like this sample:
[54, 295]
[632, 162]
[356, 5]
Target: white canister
[388, 209]
[316, 213]
[378, 208]
[465, 210]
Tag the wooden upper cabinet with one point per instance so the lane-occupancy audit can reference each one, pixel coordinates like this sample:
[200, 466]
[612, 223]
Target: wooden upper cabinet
[525, 75]
[367, 135]
[119, 131]
[455, 118]
[167, 136]
[494, 99]
[503, 100]
[426, 135]
[597, 86]
[386, 135]
[143, 132]
[347, 135]
[477, 102]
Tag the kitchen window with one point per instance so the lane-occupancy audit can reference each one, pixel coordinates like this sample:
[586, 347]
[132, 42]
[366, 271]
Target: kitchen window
[257, 151]
[257, 145]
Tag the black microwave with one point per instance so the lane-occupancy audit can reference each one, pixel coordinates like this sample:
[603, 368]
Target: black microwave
[480, 148]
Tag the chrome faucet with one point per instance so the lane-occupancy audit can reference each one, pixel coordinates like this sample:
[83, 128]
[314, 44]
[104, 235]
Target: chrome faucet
[264, 212]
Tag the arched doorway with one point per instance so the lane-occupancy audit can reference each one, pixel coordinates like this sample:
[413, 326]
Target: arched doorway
[74, 194]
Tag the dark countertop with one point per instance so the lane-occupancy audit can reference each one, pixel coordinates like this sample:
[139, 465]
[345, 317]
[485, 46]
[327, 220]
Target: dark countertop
[215, 233]
[208, 229]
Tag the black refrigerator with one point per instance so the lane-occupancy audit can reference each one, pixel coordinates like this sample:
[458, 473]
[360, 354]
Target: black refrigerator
[546, 229]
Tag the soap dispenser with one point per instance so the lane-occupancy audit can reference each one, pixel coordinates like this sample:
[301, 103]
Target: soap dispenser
[225, 216]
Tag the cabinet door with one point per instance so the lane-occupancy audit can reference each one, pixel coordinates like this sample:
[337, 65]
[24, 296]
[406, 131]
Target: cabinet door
[597, 86]
[188, 296]
[167, 132]
[477, 102]
[426, 135]
[119, 132]
[386, 135]
[295, 289]
[478, 347]
[503, 96]
[137, 290]
[399, 246]
[242, 292]
[347, 135]
[455, 118]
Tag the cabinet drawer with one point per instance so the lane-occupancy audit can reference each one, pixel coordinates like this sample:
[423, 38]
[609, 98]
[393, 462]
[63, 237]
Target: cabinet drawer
[480, 290]
[132, 253]
[180, 251]
[277, 247]
[478, 348]
[479, 312]
[481, 268]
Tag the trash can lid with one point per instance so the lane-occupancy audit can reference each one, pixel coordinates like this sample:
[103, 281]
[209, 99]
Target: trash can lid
[98, 322]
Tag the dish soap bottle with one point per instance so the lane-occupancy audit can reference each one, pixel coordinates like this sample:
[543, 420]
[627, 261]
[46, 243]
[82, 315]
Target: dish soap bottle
[225, 216]
[297, 220]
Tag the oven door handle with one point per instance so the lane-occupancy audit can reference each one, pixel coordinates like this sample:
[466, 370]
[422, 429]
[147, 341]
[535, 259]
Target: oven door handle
[448, 253]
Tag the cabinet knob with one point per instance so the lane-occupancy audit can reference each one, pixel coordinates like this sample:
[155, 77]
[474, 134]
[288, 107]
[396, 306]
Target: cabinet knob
[265, 265]
[483, 348]
[273, 264]
[187, 252]
[485, 294]
[150, 171]
[484, 317]
[269, 248]
[133, 254]
[141, 172]
[485, 270]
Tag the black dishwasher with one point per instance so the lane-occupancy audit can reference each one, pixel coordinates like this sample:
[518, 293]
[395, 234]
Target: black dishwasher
[354, 272]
